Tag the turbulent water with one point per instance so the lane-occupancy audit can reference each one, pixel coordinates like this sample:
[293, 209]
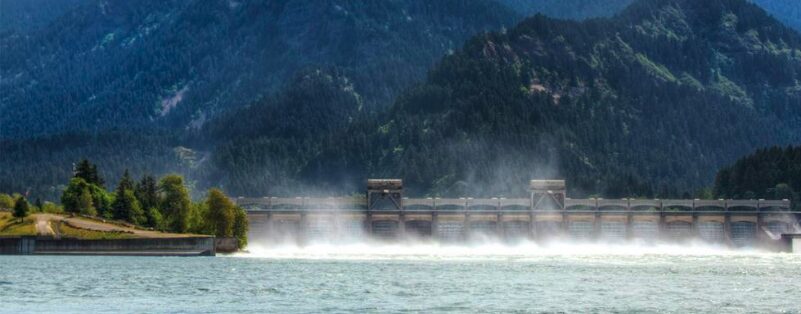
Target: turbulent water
[426, 278]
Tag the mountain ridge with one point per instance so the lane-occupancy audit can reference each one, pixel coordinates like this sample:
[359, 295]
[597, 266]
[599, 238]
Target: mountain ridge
[704, 95]
[559, 98]
[177, 63]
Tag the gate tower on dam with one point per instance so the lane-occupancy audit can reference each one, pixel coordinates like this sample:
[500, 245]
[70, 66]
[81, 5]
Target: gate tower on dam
[384, 212]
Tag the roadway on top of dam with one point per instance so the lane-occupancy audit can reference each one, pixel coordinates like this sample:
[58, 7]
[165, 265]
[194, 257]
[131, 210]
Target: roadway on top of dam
[515, 205]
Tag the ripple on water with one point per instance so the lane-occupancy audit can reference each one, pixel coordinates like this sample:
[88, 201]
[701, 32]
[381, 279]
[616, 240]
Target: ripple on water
[420, 280]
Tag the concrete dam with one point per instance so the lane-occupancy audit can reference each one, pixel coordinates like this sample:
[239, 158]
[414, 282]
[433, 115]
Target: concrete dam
[384, 213]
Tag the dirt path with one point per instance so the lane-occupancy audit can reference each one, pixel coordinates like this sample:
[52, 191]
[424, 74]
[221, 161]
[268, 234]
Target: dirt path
[43, 227]
[44, 220]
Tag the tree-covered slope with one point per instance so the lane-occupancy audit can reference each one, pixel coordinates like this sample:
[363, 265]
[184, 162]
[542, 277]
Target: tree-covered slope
[771, 173]
[22, 16]
[649, 102]
[177, 63]
[265, 146]
[88, 65]
[659, 96]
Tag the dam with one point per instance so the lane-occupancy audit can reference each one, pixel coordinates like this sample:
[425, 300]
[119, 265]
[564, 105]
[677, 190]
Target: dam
[385, 213]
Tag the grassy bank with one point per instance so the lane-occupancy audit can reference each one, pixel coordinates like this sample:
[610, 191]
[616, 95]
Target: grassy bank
[10, 226]
[61, 226]
[67, 231]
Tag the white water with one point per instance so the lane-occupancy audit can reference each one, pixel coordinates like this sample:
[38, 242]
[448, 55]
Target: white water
[484, 250]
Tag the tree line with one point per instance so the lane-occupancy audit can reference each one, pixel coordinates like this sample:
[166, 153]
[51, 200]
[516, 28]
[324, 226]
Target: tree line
[770, 173]
[164, 204]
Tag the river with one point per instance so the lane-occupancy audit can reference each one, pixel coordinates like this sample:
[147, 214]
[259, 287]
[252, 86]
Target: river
[426, 278]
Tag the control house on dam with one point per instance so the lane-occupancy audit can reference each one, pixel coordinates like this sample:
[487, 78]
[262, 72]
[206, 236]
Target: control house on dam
[547, 213]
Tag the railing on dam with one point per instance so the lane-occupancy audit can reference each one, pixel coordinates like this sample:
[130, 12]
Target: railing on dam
[302, 203]
[512, 205]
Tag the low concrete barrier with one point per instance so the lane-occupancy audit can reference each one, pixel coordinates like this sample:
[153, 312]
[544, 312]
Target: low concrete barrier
[226, 244]
[189, 246]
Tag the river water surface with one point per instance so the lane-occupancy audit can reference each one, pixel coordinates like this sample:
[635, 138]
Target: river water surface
[364, 278]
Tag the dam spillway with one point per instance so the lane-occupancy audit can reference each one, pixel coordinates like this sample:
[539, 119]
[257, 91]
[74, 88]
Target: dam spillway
[384, 213]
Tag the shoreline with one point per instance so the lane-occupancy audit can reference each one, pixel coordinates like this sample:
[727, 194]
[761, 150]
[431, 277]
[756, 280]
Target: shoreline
[186, 246]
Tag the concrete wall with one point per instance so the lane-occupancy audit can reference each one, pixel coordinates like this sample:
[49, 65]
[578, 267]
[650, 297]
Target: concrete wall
[716, 227]
[791, 243]
[11, 245]
[160, 246]
[226, 245]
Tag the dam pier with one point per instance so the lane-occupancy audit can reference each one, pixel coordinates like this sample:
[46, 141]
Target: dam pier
[385, 213]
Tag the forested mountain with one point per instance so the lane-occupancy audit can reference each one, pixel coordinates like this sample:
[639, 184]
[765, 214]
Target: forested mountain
[22, 16]
[268, 97]
[659, 96]
[252, 155]
[772, 173]
[95, 75]
[177, 63]
[90, 65]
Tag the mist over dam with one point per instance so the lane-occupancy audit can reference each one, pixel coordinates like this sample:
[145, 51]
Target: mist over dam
[384, 214]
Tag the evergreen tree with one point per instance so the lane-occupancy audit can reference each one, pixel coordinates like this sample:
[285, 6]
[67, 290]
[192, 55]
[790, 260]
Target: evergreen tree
[125, 206]
[88, 172]
[83, 170]
[134, 213]
[96, 179]
[126, 183]
[147, 192]
[38, 204]
[21, 208]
